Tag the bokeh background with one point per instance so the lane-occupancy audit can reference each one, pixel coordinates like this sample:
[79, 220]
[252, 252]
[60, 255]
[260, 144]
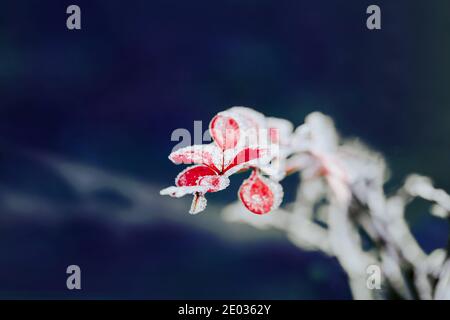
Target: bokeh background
[86, 119]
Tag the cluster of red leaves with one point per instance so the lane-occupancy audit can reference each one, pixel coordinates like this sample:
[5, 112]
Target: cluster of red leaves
[243, 139]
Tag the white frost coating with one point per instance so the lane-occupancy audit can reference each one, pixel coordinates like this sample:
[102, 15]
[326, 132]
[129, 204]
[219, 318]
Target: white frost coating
[419, 186]
[198, 204]
[443, 286]
[243, 125]
[217, 183]
[317, 134]
[250, 118]
[322, 132]
[199, 154]
[275, 169]
[178, 192]
[284, 129]
[277, 191]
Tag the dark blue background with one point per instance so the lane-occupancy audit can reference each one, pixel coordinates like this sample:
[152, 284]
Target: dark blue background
[107, 98]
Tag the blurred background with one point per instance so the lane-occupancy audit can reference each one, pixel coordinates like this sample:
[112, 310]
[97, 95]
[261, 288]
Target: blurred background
[86, 119]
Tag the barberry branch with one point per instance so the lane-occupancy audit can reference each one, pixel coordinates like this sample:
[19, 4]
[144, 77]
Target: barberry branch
[339, 199]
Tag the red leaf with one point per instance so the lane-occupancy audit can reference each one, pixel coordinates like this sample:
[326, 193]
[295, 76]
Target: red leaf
[208, 155]
[244, 156]
[191, 175]
[260, 195]
[215, 183]
[225, 131]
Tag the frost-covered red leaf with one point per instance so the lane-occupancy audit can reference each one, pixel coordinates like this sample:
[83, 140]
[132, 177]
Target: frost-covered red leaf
[214, 183]
[245, 158]
[241, 140]
[250, 121]
[209, 155]
[260, 195]
[237, 127]
[191, 175]
[225, 131]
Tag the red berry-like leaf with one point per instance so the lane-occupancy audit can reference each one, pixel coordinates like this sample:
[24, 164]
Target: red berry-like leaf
[191, 175]
[259, 194]
[225, 131]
